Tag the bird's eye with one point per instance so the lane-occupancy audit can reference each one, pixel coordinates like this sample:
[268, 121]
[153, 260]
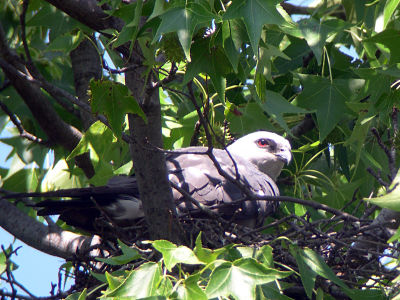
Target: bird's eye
[262, 143]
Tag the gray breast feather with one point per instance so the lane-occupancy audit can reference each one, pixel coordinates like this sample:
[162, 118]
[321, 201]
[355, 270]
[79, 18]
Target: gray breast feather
[197, 174]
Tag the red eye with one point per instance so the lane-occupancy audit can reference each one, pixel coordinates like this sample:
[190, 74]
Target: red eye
[262, 143]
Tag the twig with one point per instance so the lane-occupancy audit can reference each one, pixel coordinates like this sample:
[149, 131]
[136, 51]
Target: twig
[202, 118]
[22, 132]
[171, 76]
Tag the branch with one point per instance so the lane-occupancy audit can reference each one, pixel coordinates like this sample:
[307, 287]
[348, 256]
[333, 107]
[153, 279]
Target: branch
[48, 239]
[22, 132]
[56, 129]
[88, 12]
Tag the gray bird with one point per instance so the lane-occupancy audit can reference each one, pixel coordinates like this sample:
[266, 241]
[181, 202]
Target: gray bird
[255, 161]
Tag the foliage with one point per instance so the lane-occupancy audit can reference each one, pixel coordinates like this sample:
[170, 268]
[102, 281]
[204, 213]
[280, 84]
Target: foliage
[241, 66]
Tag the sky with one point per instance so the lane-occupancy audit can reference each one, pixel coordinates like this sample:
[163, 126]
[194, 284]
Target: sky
[37, 270]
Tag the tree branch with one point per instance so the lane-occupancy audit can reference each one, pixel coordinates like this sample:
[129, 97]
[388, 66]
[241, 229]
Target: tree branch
[57, 130]
[48, 239]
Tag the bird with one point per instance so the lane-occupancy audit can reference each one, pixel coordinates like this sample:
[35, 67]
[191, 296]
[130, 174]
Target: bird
[253, 161]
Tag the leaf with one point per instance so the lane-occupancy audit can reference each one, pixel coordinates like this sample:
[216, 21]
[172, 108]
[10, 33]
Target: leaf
[25, 150]
[297, 50]
[206, 255]
[139, 283]
[4, 261]
[264, 255]
[391, 39]
[106, 152]
[189, 289]
[247, 119]
[114, 100]
[184, 21]
[328, 99]
[390, 200]
[317, 33]
[77, 296]
[255, 14]
[131, 14]
[232, 42]
[239, 279]
[307, 275]
[358, 135]
[317, 265]
[388, 11]
[276, 105]
[58, 22]
[270, 292]
[173, 254]
[128, 254]
[211, 61]
[24, 180]
[264, 62]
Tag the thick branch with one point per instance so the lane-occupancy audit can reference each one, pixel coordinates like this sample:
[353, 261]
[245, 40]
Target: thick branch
[89, 13]
[48, 239]
[86, 64]
[57, 130]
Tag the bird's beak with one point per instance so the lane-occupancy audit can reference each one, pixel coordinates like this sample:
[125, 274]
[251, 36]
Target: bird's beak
[284, 156]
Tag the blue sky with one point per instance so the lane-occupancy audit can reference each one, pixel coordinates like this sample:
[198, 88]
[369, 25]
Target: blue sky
[31, 262]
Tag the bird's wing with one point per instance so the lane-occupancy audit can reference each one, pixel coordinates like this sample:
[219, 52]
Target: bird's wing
[198, 175]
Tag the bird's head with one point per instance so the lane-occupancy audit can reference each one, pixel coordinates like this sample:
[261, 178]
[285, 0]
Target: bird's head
[268, 151]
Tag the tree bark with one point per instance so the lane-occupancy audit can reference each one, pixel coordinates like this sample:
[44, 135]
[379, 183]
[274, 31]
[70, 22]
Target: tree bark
[86, 64]
[149, 163]
[48, 239]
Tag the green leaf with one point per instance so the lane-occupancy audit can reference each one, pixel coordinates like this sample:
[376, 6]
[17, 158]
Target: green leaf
[173, 254]
[264, 255]
[25, 150]
[358, 135]
[206, 255]
[78, 295]
[53, 18]
[307, 275]
[131, 14]
[189, 289]
[390, 200]
[129, 254]
[297, 50]
[316, 264]
[232, 42]
[113, 281]
[106, 152]
[247, 119]
[211, 61]
[388, 11]
[239, 279]
[271, 292]
[255, 14]
[139, 283]
[328, 99]
[317, 33]
[264, 63]
[391, 39]
[24, 180]
[114, 100]
[4, 261]
[184, 21]
[276, 105]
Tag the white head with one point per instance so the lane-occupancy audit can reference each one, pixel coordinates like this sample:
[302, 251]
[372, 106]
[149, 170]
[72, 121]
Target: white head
[268, 151]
